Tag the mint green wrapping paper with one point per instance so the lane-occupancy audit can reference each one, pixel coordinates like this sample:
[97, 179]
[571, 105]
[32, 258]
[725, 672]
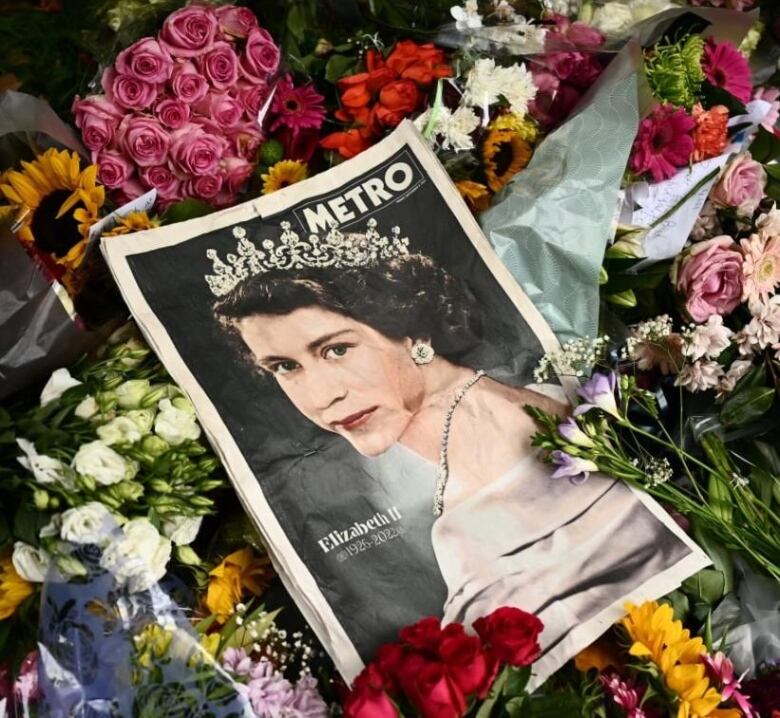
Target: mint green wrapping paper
[551, 224]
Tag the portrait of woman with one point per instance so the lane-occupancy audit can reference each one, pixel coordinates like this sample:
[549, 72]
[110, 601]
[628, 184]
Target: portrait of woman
[377, 353]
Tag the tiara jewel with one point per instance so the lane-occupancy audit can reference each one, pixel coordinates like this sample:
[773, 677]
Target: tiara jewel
[291, 252]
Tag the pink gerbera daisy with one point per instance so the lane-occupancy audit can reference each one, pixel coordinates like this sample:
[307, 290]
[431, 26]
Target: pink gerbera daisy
[664, 143]
[298, 108]
[725, 67]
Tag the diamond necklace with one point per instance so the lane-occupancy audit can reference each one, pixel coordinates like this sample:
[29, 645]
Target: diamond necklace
[444, 468]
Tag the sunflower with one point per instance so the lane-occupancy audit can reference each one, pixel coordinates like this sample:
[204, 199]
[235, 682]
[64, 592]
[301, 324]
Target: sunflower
[43, 194]
[132, 222]
[504, 154]
[283, 174]
[477, 196]
[524, 126]
[13, 588]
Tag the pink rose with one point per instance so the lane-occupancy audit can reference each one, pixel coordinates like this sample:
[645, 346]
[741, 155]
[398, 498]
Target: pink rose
[190, 31]
[114, 169]
[171, 112]
[220, 65]
[584, 35]
[741, 186]
[246, 139]
[261, 55]
[236, 21]
[130, 190]
[709, 276]
[562, 63]
[188, 84]
[251, 96]
[127, 91]
[97, 118]
[144, 139]
[205, 187]
[237, 171]
[160, 177]
[224, 110]
[771, 95]
[145, 60]
[196, 152]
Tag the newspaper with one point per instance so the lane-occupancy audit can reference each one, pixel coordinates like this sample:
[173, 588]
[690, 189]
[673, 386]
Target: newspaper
[354, 348]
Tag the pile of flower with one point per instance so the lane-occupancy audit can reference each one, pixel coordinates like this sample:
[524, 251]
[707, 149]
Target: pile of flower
[181, 111]
[446, 671]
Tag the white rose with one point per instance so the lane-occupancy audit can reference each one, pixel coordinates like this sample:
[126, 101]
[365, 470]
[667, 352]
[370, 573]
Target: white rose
[614, 19]
[103, 464]
[143, 418]
[45, 469]
[182, 530]
[59, 382]
[130, 393]
[30, 563]
[52, 528]
[139, 557]
[89, 523]
[87, 408]
[122, 430]
[176, 423]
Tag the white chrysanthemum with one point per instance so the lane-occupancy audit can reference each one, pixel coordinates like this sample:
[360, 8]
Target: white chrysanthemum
[486, 83]
[466, 17]
[700, 376]
[457, 129]
[708, 339]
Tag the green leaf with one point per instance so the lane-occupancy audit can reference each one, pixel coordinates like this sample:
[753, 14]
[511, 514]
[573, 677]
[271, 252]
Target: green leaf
[186, 209]
[765, 147]
[706, 587]
[492, 697]
[554, 705]
[648, 279]
[679, 602]
[296, 23]
[517, 681]
[718, 96]
[515, 707]
[747, 406]
[721, 558]
[338, 66]
[773, 171]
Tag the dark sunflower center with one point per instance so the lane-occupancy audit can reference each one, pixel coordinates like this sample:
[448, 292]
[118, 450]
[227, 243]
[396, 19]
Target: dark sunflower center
[503, 158]
[52, 235]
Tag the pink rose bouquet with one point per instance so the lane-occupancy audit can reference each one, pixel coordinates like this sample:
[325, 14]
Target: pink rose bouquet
[179, 111]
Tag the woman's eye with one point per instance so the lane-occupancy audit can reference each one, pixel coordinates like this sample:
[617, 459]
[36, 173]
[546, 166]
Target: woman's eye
[337, 350]
[284, 367]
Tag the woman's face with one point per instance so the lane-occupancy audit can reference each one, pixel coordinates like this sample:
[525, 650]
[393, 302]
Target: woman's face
[341, 374]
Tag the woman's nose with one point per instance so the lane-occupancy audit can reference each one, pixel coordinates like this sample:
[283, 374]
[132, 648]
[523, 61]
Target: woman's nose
[325, 388]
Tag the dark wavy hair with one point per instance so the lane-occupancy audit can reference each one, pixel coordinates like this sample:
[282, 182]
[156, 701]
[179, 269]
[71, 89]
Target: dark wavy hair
[407, 296]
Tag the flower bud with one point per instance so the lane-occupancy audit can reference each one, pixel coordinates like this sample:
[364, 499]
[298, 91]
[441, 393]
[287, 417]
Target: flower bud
[154, 395]
[160, 486]
[181, 402]
[69, 566]
[54, 502]
[128, 490]
[131, 393]
[154, 445]
[109, 499]
[41, 499]
[200, 501]
[143, 419]
[112, 383]
[323, 48]
[187, 556]
[210, 485]
[85, 482]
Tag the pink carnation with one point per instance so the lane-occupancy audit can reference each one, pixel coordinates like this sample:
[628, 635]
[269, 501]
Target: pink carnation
[190, 31]
[235, 21]
[172, 112]
[188, 84]
[196, 152]
[220, 65]
[261, 55]
[127, 91]
[664, 143]
[144, 140]
[146, 61]
[726, 67]
[709, 276]
[114, 169]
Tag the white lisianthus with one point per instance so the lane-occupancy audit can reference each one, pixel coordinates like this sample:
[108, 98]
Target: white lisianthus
[182, 530]
[139, 557]
[103, 464]
[59, 382]
[143, 418]
[466, 17]
[45, 469]
[130, 394]
[87, 408]
[52, 528]
[89, 523]
[121, 430]
[176, 421]
[643, 9]
[30, 563]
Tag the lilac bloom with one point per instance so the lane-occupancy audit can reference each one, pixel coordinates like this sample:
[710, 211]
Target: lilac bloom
[571, 431]
[722, 669]
[599, 393]
[576, 468]
[307, 701]
[270, 693]
[237, 661]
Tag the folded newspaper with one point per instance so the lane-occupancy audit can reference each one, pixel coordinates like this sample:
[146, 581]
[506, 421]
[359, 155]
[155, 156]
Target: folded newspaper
[360, 359]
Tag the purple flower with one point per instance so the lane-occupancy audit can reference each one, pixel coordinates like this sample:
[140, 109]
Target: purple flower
[599, 393]
[571, 431]
[270, 693]
[575, 467]
[237, 661]
[721, 669]
[307, 702]
[626, 694]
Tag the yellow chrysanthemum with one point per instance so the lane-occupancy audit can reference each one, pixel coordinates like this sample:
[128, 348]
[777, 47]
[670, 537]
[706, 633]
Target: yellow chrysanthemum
[283, 174]
[524, 126]
[13, 588]
[43, 194]
[504, 154]
[133, 222]
[240, 571]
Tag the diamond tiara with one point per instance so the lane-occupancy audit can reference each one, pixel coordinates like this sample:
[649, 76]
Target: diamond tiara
[291, 252]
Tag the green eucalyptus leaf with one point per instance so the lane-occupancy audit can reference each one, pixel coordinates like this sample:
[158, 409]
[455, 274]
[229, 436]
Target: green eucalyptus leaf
[747, 406]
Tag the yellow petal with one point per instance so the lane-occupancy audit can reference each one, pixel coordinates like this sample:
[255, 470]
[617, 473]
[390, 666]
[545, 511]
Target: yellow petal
[69, 203]
[33, 171]
[11, 194]
[25, 189]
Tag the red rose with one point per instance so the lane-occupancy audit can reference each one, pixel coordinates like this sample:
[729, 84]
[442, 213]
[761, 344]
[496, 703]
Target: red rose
[421, 63]
[468, 664]
[348, 143]
[396, 100]
[389, 659]
[435, 694]
[424, 635]
[368, 698]
[511, 635]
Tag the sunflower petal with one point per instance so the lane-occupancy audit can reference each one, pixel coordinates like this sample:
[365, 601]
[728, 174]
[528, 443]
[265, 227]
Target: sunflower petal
[25, 189]
[69, 203]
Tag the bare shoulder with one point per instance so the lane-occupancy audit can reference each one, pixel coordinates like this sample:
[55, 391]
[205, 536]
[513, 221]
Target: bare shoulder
[510, 400]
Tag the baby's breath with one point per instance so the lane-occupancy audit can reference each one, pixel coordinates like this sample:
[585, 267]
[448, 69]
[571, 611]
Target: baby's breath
[577, 357]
